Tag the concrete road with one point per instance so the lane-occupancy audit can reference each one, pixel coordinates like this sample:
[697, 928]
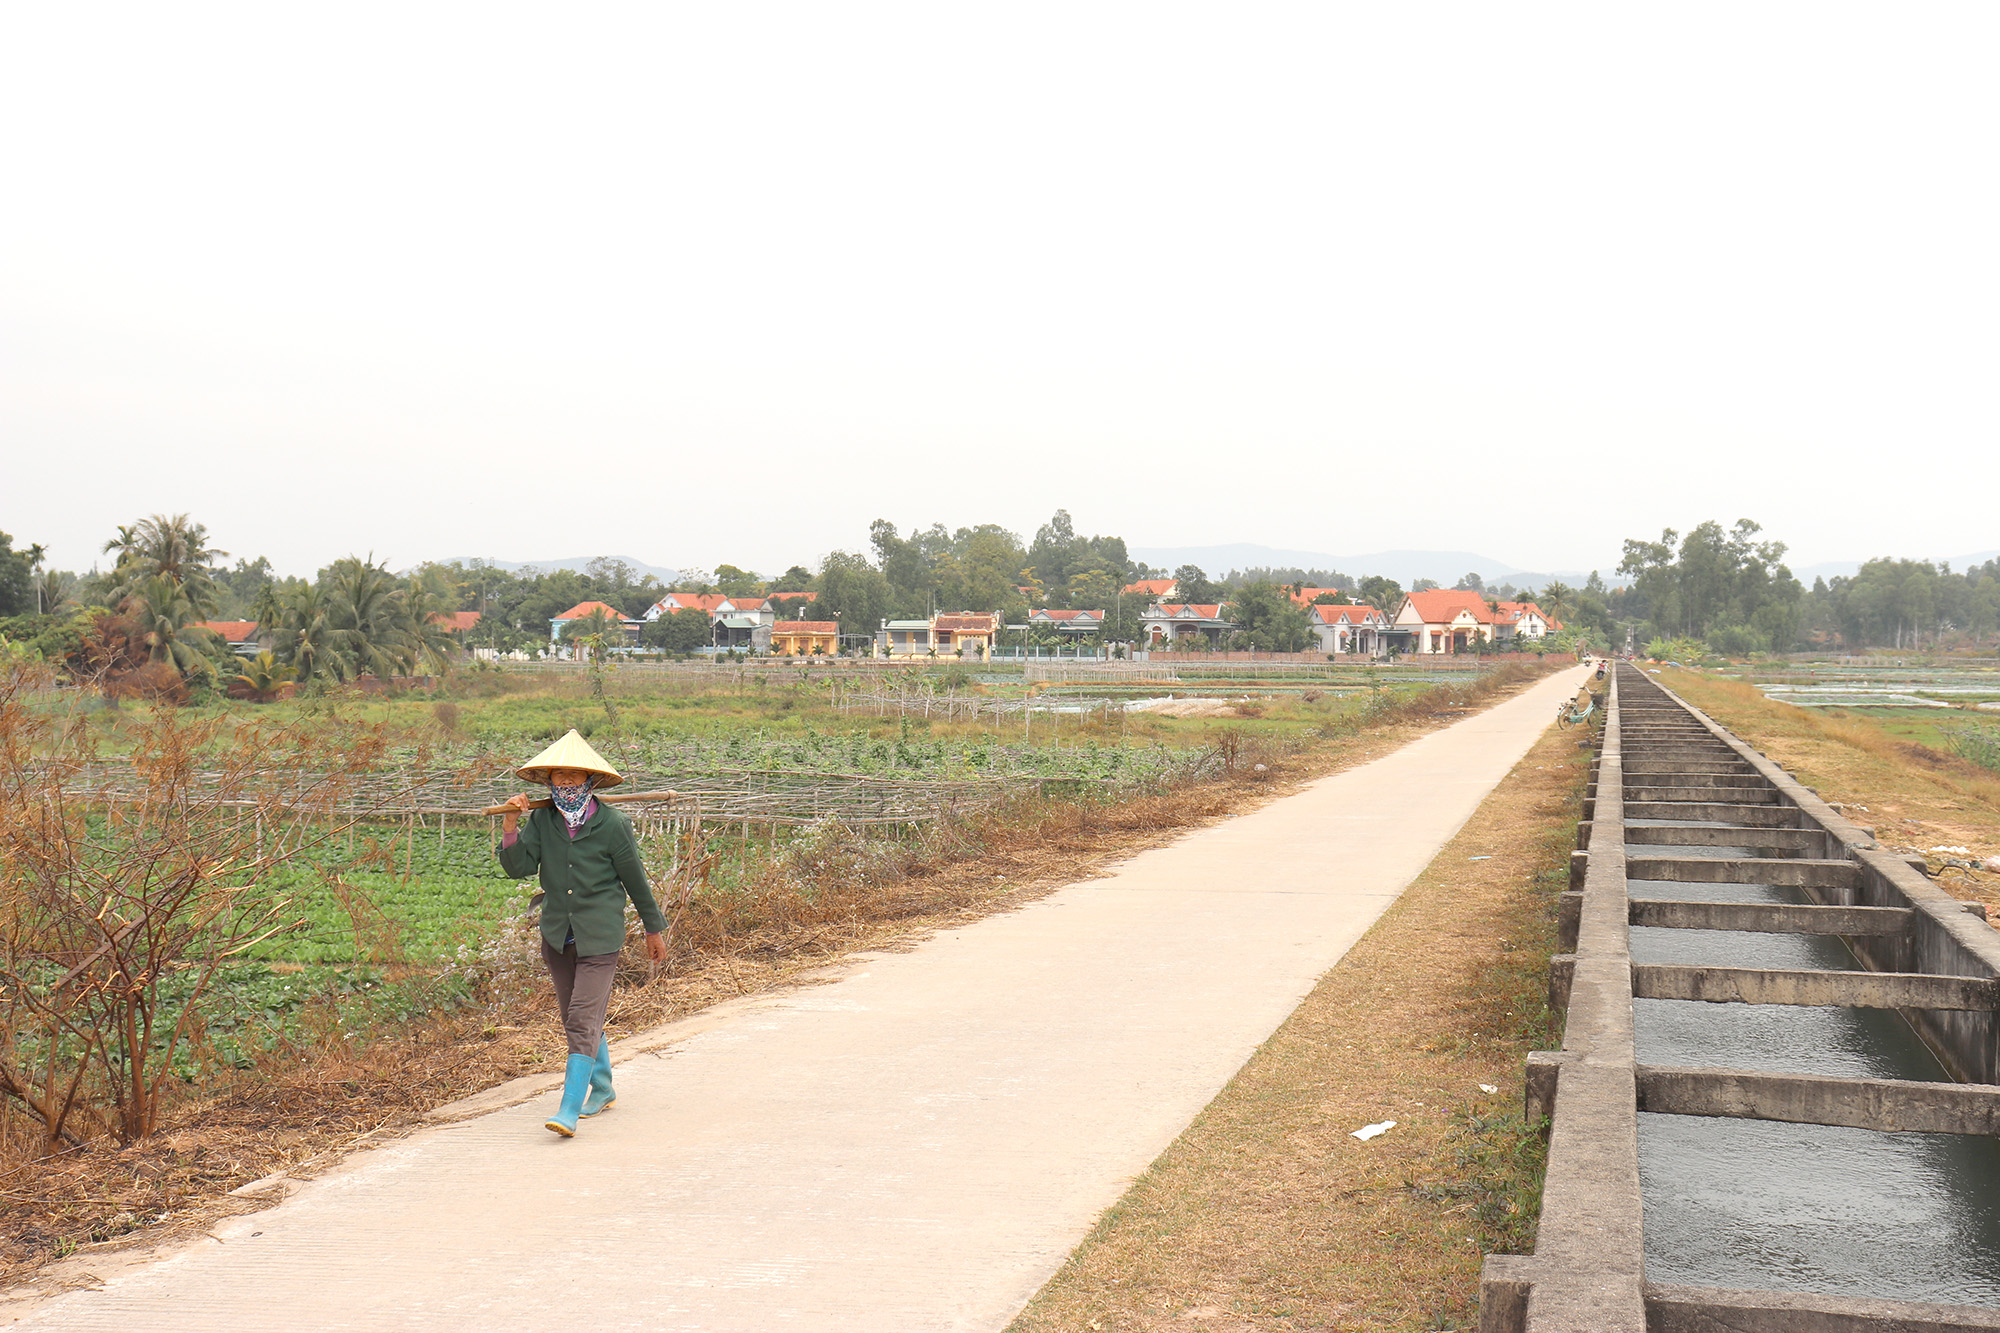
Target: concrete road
[915, 1146]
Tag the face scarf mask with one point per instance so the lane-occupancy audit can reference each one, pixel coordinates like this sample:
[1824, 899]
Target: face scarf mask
[570, 802]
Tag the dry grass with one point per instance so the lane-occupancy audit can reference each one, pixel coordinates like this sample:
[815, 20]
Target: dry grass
[1914, 797]
[1266, 1214]
[333, 1088]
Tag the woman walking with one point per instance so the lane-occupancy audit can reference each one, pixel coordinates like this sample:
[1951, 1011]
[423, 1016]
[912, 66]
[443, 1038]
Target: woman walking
[589, 864]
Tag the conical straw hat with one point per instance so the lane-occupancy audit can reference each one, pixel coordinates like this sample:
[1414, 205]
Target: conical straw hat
[572, 751]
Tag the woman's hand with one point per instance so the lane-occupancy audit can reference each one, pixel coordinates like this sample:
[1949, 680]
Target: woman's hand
[656, 946]
[510, 821]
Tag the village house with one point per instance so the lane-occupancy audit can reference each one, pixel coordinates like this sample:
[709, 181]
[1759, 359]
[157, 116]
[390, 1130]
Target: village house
[583, 611]
[948, 633]
[1450, 620]
[1440, 620]
[1168, 623]
[739, 622]
[240, 635]
[805, 638]
[1347, 629]
[904, 638]
[1523, 620]
[456, 622]
[711, 602]
[1074, 624]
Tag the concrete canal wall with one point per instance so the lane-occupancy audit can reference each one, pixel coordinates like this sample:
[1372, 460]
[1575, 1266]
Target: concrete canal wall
[1751, 858]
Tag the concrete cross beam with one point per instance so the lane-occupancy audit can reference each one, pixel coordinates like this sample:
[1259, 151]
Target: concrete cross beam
[1770, 918]
[1672, 1308]
[1861, 990]
[1649, 792]
[1794, 840]
[1892, 1106]
[1759, 815]
[1798, 873]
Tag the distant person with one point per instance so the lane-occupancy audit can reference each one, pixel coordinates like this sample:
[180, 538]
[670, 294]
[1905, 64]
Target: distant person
[589, 864]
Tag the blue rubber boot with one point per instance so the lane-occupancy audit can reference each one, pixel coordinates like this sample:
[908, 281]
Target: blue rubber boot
[601, 1094]
[576, 1078]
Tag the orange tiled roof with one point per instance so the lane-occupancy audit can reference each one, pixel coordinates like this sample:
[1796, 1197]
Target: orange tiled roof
[1439, 606]
[584, 609]
[456, 621]
[1510, 612]
[1048, 613]
[1153, 587]
[692, 601]
[1334, 615]
[1304, 596]
[967, 622]
[1195, 610]
[809, 596]
[235, 631]
[806, 627]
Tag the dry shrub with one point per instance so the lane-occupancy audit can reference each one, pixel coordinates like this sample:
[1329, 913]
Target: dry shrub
[156, 682]
[118, 903]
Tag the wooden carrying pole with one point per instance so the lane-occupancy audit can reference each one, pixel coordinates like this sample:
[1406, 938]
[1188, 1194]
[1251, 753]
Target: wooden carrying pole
[609, 797]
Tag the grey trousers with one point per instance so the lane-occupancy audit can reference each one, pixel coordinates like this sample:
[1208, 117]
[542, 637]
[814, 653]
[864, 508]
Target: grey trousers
[583, 989]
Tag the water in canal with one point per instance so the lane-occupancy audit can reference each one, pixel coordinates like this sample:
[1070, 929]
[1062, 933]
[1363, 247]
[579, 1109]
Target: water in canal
[1767, 1206]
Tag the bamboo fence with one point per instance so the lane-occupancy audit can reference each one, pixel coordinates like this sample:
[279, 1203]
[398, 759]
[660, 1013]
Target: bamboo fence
[759, 796]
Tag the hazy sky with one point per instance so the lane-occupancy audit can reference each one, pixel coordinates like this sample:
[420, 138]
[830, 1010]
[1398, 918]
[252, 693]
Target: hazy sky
[722, 282]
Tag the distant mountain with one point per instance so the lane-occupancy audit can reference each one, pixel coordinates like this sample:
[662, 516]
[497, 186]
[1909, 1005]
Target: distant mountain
[1406, 567]
[575, 562]
[1847, 569]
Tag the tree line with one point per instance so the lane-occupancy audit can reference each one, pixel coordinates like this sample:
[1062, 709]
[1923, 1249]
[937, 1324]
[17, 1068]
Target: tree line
[1726, 587]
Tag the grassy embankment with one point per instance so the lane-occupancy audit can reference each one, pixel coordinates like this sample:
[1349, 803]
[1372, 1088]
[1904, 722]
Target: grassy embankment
[1266, 1214]
[302, 1055]
[1888, 769]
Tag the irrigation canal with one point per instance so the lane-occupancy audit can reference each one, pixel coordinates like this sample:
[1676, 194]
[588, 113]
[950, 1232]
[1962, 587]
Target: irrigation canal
[1775, 1104]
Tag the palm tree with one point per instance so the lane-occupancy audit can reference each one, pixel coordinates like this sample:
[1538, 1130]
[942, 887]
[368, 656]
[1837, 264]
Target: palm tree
[167, 623]
[55, 591]
[595, 631]
[1556, 598]
[430, 638]
[262, 676]
[296, 622]
[370, 617]
[169, 547]
[34, 555]
[269, 611]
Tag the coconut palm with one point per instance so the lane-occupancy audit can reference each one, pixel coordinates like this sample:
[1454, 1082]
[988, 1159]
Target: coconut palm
[167, 623]
[370, 616]
[55, 591]
[429, 613]
[1557, 598]
[297, 624]
[169, 547]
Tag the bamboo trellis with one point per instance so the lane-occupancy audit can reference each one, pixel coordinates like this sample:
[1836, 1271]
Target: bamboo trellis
[728, 796]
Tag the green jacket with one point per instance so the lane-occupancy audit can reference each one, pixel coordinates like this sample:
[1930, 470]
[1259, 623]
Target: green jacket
[585, 880]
